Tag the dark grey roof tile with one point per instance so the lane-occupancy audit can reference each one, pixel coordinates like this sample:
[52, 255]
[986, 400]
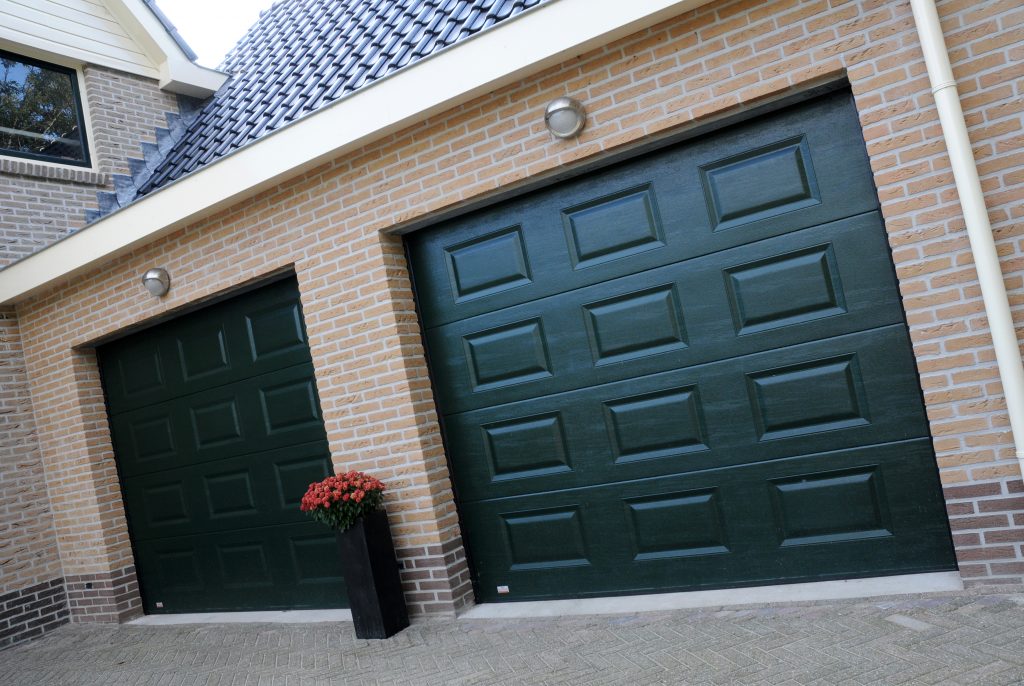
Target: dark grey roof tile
[304, 54]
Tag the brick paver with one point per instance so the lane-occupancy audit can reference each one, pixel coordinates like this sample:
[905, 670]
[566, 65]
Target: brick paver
[970, 638]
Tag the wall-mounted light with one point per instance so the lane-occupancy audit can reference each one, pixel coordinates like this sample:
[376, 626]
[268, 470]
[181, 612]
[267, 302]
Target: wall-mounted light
[157, 281]
[565, 117]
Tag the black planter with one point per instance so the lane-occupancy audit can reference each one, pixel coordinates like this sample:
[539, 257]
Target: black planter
[371, 575]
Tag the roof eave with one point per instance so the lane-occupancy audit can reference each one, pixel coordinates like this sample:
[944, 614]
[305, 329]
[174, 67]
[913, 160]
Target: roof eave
[529, 42]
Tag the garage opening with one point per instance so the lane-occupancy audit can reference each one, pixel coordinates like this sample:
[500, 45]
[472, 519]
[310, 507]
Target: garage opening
[217, 432]
[690, 370]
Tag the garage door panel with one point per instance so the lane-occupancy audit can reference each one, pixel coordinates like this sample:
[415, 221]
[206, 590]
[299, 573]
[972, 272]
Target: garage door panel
[820, 282]
[248, 490]
[687, 370]
[217, 431]
[717, 528]
[760, 183]
[835, 393]
[786, 172]
[284, 567]
[249, 335]
[258, 413]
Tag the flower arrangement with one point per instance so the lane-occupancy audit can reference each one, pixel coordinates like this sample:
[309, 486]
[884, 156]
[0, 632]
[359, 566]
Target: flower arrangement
[340, 501]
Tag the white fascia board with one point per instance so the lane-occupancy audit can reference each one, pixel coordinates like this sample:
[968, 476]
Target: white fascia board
[177, 73]
[536, 39]
[180, 75]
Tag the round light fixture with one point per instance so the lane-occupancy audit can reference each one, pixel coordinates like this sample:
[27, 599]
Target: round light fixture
[157, 281]
[565, 117]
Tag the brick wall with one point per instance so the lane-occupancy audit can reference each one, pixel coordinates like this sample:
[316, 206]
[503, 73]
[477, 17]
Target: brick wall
[39, 209]
[30, 612]
[31, 580]
[330, 224]
[125, 110]
[28, 549]
[41, 204]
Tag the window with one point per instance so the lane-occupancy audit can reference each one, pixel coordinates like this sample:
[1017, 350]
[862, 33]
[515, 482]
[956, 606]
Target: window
[41, 112]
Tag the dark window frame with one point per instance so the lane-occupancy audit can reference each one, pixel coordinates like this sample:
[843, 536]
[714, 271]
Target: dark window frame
[79, 111]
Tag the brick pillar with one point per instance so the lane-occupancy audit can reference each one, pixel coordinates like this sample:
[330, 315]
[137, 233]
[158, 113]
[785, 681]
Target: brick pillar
[32, 598]
[379, 409]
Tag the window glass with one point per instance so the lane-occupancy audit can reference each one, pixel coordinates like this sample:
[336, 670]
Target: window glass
[40, 111]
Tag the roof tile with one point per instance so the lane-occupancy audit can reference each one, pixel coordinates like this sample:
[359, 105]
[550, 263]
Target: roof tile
[304, 54]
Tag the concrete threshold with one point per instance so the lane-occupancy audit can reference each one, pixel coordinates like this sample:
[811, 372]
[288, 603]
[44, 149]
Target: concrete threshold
[630, 604]
[265, 617]
[756, 595]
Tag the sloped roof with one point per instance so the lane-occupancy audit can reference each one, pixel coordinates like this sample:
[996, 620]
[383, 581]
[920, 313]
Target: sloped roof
[304, 54]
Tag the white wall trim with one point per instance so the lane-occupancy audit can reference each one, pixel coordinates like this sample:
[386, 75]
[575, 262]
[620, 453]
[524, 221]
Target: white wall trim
[933, 582]
[161, 57]
[33, 46]
[538, 38]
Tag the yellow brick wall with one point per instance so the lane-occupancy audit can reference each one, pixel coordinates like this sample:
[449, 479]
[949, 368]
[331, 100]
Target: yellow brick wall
[331, 227]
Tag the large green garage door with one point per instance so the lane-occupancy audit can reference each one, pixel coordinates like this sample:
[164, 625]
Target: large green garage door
[217, 432]
[689, 370]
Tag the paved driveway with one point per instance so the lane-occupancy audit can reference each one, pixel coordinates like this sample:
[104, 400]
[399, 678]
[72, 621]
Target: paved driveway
[967, 638]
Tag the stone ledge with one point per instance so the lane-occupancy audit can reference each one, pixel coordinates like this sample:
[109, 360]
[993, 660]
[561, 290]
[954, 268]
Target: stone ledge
[13, 165]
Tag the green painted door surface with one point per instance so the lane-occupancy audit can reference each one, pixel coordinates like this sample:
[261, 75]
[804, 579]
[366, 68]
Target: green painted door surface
[217, 433]
[689, 370]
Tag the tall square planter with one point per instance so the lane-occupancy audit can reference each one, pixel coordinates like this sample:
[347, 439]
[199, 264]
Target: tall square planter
[371, 575]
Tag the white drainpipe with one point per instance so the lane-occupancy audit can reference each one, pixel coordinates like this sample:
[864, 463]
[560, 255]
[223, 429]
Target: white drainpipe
[979, 230]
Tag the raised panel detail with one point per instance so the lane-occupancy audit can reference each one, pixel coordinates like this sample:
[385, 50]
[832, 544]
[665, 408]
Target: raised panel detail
[542, 539]
[202, 351]
[531, 446]
[635, 325]
[244, 566]
[760, 183]
[289, 406]
[274, 330]
[315, 559]
[179, 570]
[230, 493]
[614, 226]
[165, 504]
[215, 424]
[830, 507]
[788, 289]
[653, 425]
[488, 264]
[676, 525]
[294, 476]
[507, 355]
[140, 369]
[213, 500]
[823, 395]
[152, 438]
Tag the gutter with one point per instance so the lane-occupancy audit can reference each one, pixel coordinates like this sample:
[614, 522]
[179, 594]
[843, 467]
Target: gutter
[979, 230]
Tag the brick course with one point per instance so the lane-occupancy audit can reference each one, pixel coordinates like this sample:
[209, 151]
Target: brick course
[110, 597]
[31, 612]
[331, 227]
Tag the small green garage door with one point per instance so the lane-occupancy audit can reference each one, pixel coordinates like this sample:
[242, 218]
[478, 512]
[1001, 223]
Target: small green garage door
[217, 433]
[689, 370]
